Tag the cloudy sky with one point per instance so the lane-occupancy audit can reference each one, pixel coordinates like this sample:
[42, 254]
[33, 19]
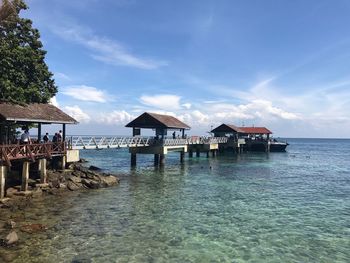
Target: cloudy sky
[276, 63]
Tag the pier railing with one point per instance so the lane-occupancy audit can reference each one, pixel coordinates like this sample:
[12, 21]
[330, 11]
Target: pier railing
[104, 142]
[11, 152]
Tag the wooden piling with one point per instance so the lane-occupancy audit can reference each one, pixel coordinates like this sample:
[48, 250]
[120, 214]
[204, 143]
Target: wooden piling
[190, 153]
[133, 159]
[43, 172]
[3, 173]
[162, 159]
[25, 176]
[207, 154]
[182, 156]
[156, 159]
[198, 153]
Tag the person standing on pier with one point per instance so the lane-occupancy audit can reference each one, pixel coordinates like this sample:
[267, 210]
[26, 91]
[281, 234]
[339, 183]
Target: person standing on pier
[25, 137]
[174, 135]
[46, 138]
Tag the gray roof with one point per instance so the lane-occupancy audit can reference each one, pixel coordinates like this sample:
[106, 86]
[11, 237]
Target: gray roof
[33, 113]
[153, 120]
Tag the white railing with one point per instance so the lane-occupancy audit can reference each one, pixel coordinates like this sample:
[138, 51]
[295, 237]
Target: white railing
[104, 142]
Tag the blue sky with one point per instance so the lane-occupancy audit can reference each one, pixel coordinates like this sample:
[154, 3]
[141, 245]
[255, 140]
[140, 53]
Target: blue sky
[280, 64]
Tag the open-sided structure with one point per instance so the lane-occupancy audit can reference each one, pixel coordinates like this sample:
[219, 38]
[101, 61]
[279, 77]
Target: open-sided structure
[13, 116]
[159, 122]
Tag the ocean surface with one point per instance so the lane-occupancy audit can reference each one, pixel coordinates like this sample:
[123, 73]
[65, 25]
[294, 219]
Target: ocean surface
[253, 207]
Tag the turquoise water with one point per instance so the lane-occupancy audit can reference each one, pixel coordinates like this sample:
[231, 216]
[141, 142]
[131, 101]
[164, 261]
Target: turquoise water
[277, 207]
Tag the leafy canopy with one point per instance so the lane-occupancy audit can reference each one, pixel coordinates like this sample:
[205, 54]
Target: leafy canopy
[24, 75]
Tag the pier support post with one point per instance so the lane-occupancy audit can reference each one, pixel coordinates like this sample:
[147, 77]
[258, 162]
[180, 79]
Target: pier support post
[190, 153]
[182, 157]
[43, 172]
[156, 159]
[133, 159]
[207, 154]
[3, 173]
[198, 153]
[25, 176]
[63, 163]
[213, 153]
[162, 159]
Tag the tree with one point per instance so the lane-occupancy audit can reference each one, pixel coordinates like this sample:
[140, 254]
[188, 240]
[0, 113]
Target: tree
[24, 75]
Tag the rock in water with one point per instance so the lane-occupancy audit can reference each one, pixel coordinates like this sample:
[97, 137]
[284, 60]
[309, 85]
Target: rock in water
[11, 238]
[94, 168]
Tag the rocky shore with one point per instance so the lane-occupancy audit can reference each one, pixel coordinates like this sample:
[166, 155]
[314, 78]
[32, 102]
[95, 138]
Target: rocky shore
[75, 178]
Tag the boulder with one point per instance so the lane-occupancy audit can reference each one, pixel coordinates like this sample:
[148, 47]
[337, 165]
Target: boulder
[94, 168]
[11, 238]
[109, 180]
[10, 191]
[73, 186]
[75, 179]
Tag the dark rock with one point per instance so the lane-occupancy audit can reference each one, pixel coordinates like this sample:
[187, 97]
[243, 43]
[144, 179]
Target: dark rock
[82, 160]
[10, 224]
[75, 179]
[90, 183]
[94, 168]
[73, 186]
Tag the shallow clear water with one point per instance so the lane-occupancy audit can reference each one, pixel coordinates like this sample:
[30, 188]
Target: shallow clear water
[277, 207]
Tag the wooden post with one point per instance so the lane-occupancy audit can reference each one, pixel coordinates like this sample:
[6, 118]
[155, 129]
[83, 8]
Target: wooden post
[182, 156]
[133, 159]
[207, 154]
[213, 153]
[39, 132]
[156, 159]
[162, 159]
[190, 153]
[63, 132]
[43, 172]
[3, 173]
[183, 133]
[198, 154]
[25, 176]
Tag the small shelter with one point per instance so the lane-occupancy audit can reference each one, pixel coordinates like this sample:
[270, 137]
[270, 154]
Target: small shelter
[12, 115]
[260, 132]
[227, 130]
[159, 122]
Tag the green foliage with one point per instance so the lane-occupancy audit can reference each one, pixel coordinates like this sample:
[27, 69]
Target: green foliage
[24, 75]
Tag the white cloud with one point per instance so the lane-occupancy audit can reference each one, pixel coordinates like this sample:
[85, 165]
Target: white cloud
[86, 93]
[61, 76]
[187, 105]
[77, 113]
[116, 117]
[106, 50]
[53, 101]
[164, 101]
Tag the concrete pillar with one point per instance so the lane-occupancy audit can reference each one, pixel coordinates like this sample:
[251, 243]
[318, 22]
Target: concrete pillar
[182, 157]
[42, 169]
[207, 154]
[198, 153]
[190, 154]
[162, 159]
[156, 159]
[63, 163]
[3, 173]
[133, 159]
[25, 176]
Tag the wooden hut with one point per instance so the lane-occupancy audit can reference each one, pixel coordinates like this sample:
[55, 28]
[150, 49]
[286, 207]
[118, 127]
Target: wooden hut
[159, 122]
[13, 116]
[159, 147]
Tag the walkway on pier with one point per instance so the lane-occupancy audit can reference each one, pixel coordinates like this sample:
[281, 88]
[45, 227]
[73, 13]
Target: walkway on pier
[106, 142]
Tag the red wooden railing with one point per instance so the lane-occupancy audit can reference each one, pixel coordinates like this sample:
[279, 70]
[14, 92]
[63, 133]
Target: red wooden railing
[11, 152]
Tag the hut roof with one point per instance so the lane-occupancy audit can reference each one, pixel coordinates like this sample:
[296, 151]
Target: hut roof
[227, 128]
[35, 113]
[153, 120]
[255, 130]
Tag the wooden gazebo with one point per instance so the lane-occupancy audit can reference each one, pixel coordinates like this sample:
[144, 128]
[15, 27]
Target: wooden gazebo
[159, 122]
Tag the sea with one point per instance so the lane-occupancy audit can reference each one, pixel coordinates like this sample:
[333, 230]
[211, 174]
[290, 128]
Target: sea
[252, 207]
